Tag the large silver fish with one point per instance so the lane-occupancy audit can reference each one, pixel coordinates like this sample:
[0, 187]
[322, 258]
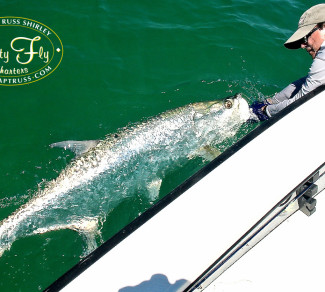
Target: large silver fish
[132, 161]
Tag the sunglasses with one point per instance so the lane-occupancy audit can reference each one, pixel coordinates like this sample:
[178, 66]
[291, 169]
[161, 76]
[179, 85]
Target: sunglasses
[306, 37]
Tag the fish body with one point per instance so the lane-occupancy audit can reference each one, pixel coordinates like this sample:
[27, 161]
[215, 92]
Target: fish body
[132, 161]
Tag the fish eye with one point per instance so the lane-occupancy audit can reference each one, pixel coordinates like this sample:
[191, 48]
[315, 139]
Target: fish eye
[228, 104]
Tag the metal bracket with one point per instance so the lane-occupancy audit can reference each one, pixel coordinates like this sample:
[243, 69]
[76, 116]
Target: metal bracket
[307, 205]
[307, 192]
[301, 198]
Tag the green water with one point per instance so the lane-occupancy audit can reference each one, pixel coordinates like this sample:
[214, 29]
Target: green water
[124, 61]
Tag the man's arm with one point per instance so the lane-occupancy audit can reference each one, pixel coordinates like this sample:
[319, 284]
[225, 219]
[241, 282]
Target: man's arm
[299, 88]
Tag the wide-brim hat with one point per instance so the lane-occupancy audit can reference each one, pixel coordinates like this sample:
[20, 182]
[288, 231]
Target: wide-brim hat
[307, 22]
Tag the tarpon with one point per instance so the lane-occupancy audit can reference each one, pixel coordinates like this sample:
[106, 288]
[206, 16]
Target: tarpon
[132, 161]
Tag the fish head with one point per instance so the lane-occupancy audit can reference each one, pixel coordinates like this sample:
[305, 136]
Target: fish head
[235, 108]
[220, 118]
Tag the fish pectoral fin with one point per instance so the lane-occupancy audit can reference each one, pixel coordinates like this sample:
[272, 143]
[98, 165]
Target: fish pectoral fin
[154, 188]
[206, 152]
[78, 147]
[86, 227]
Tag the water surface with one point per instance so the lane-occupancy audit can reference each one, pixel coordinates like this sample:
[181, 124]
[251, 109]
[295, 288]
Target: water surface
[125, 61]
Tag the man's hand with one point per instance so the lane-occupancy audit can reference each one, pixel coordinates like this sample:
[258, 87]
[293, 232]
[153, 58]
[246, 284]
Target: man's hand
[258, 108]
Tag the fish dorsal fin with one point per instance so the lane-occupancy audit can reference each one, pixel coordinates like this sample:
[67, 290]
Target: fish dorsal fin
[78, 147]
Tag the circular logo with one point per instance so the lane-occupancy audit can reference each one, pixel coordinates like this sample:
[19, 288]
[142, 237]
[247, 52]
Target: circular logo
[29, 51]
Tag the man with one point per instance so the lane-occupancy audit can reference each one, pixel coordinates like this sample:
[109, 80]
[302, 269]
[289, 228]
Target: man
[311, 37]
